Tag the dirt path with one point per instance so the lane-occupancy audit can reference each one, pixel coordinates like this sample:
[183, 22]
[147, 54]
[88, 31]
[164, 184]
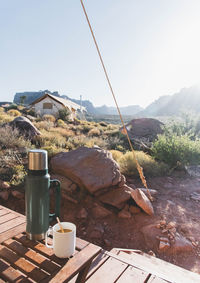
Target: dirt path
[172, 203]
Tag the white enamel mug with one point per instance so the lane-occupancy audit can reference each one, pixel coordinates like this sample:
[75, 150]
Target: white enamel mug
[63, 243]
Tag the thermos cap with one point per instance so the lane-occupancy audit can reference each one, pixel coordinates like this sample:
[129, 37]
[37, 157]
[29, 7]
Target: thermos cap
[37, 159]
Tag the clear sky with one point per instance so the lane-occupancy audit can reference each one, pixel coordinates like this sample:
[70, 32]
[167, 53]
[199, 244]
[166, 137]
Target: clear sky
[150, 48]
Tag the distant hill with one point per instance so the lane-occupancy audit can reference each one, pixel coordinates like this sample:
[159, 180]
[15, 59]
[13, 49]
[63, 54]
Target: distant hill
[105, 110]
[186, 100]
[127, 110]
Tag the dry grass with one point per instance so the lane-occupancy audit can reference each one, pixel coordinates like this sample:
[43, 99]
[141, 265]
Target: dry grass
[13, 112]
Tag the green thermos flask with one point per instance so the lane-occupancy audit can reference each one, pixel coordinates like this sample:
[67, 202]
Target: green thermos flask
[37, 189]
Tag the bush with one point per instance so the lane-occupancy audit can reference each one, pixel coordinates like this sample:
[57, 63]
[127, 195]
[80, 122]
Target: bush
[11, 138]
[52, 150]
[13, 112]
[150, 167]
[176, 150]
[94, 132]
[48, 117]
[116, 154]
[5, 118]
[18, 175]
[61, 123]
[64, 114]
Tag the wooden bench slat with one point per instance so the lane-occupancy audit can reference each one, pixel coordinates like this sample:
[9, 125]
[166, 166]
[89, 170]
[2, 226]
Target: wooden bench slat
[20, 263]
[133, 274]
[31, 255]
[7, 217]
[10, 274]
[11, 224]
[97, 262]
[3, 212]
[109, 272]
[158, 267]
[155, 279]
[40, 248]
[75, 264]
[12, 232]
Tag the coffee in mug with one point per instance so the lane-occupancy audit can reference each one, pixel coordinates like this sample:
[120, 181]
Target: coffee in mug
[63, 243]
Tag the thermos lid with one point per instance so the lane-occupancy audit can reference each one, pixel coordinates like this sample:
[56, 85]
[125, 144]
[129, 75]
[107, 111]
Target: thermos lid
[37, 159]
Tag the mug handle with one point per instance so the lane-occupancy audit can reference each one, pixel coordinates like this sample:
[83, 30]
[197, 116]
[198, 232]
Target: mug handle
[49, 232]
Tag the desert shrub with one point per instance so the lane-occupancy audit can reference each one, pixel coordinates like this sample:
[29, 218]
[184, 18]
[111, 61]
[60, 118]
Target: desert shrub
[64, 114]
[48, 117]
[65, 132]
[11, 138]
[2, 109]
[13, 112]
[116, 154]
[94, 132]
[5, 118]
[176, 150]
[61, 123]
[18, 175]
[150, 167]
[46, 125]
[12, 106]
[52, 150]
[51, 138]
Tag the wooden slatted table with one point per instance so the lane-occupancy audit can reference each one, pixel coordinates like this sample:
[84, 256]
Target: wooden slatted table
[23, 260]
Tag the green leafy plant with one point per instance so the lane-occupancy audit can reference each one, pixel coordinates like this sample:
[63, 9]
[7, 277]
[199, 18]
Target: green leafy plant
[150, 166]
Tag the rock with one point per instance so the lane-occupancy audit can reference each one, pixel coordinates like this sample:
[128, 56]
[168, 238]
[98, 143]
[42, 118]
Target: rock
[17, 194]
[163, 246]
[90, 168]
[122, 182]
[171, 225]
[4, 195]
[195, 196]
[151, 253]
[25, 127]
[134, 209]
[163, 239]
[152, 192]
[180, 245]
[142, 201]
[100, 212]
[117, 197]
[4, 185]
[65, 183]
[124, 214]
[144, 128]
[193, 170]
[82, 214]
[163, 222]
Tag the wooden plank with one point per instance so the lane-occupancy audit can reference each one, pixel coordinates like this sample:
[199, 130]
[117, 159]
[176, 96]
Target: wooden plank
[155, 279]
[109, 272]
[23, 265]
[97, 262]
[32, 256]
[39, 247]
[10, 210]
[11, 224]
[158, 267]
[81, 244]
[76, 264]
[8, 273]
[133, 274]
[12, 232]
[3, 212]
[7, 217]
